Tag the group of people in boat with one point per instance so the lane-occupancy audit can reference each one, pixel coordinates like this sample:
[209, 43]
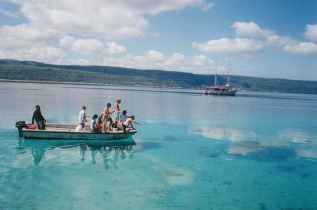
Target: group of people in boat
[104, 122]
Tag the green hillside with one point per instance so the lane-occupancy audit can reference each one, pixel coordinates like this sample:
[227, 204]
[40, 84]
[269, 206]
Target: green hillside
[35, 71]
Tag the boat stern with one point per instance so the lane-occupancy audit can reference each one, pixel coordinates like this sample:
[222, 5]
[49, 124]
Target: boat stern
[20, 125]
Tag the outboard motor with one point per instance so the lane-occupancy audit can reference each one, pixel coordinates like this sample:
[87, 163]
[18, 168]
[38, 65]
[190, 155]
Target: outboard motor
[20, 125]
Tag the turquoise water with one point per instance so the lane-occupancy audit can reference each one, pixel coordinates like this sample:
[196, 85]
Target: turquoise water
[252, 151]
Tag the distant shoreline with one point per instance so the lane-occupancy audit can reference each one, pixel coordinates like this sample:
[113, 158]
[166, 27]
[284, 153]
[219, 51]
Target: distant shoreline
[41, 73]
[83, 83]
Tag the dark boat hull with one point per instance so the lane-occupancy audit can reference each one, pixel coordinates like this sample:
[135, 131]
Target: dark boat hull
[58, 131]
[222, 93]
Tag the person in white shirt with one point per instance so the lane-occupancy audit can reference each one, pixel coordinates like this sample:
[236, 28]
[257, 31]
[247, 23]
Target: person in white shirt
[82, 117]
[128, 123]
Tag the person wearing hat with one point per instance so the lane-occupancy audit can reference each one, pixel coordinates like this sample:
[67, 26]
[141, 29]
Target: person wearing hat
[123, 118]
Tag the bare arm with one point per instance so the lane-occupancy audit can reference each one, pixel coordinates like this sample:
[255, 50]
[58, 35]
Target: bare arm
[136, 122]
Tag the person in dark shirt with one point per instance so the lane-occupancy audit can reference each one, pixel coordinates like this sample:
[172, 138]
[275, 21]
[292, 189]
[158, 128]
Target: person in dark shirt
[39, 119]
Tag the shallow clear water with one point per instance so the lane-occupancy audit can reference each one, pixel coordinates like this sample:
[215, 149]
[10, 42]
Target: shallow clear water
[252, 151]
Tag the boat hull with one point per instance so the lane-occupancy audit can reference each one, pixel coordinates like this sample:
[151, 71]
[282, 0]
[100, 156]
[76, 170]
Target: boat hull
[68, 132]
[39, 134]
[222, 93]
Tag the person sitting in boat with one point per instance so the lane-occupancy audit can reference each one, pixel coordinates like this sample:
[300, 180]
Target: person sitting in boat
[123, 118]
[127, 125]
[82, 117]
[38, 117]
[117, 113]
[107, 118]
[99, 121]
[93, 124]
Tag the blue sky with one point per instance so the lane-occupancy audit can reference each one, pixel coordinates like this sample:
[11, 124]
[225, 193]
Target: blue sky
[272, 38]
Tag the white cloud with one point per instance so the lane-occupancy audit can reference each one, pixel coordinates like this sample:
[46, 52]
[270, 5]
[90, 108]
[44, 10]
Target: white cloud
[280, 41]
[250, 30]
[153, 55]
[156, 60]
[155, 7]
[256, 38]
[94, 20]
[39, 52]
[200, 60]
[88, 46]
[234, 46]
[98, 18]
[151, 60]
[175, 60]
[66, 40]
[302, 48]
[23, 42]
[105, 19]
[79, 61]
[8, 13]
[23, 35]
[114, 48]
[311, 32]
[91, 46]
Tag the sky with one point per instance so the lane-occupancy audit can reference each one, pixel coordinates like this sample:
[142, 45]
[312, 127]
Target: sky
[271, 38]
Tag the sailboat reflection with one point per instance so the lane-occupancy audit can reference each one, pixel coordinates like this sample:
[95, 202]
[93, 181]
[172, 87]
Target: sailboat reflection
[111, 152]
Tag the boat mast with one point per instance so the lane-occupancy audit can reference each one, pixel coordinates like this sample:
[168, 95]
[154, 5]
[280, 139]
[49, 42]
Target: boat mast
[215, 83]
[228, 79]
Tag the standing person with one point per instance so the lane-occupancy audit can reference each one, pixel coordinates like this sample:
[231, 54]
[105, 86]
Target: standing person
[128, 123]
[82, 117]
[117, 112]
[38, 117]
[107, 118]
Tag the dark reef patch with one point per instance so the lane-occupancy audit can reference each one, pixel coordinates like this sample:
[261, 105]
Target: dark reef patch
[227, 183]
[171, 138]
[145, 146]
[305, 175]
[211, 154]
[272, 154]
[262, 206]
[286, 168]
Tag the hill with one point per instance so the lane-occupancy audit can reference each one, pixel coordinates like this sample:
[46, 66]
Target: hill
[40, 72]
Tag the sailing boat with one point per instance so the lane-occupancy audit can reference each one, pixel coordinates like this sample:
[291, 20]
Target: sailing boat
[224, 90]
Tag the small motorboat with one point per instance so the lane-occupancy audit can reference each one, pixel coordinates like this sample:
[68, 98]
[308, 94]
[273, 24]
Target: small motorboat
[63, 131]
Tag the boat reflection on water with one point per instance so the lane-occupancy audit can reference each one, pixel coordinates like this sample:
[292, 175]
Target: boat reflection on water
[111, 152]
